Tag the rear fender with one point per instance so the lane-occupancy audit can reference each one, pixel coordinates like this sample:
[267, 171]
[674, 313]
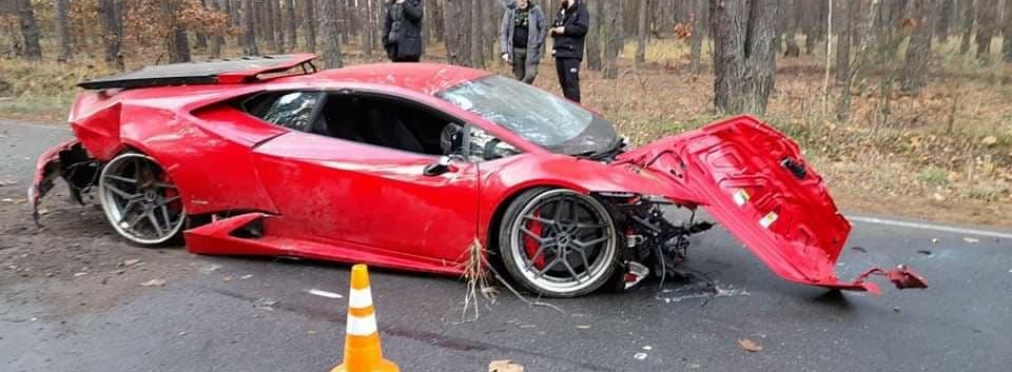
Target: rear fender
[69, 161]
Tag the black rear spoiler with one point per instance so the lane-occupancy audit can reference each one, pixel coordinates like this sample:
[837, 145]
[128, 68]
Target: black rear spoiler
[220, 71]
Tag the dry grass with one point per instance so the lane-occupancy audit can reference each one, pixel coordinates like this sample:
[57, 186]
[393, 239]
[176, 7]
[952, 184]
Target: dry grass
[943, 155]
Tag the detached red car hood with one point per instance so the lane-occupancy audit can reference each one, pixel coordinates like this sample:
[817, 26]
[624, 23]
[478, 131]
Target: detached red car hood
[753, 180]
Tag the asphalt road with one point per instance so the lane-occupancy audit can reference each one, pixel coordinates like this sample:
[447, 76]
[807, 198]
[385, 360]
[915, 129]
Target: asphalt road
[217, 318]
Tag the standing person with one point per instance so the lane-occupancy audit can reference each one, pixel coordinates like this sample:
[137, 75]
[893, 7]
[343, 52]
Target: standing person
[522, 38]
[569, 32]
[402, 30]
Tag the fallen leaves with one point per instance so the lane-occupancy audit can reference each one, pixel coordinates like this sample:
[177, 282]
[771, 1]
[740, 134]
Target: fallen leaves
[749, 345]
[504, 366]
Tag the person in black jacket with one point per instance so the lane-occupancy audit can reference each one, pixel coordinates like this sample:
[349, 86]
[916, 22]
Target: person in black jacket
[569, 31]
[402, 30]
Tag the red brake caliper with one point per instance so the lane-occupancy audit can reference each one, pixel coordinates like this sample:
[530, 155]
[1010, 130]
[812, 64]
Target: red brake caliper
[531, 245]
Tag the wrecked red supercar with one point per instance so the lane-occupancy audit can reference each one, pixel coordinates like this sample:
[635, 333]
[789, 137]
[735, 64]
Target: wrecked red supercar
[424, 166]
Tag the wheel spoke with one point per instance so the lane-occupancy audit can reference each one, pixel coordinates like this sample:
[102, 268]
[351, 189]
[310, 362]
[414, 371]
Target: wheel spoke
[533, 235]
[573, 217]
[166, 201]
[134, 221]
[539, 252]
[565, 262]
[581, 226]
[583, 256]
[154, 222]
[591, 243]
[165, 213]
[126, 210]
[538, 274]
[539, 219]
[121, 179]
[121, 193]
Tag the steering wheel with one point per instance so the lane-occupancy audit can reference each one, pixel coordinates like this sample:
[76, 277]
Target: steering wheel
[451, 138]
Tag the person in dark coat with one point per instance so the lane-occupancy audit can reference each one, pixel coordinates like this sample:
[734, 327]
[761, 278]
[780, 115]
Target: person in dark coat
[522, 38]
[402, 30]
[569, 31]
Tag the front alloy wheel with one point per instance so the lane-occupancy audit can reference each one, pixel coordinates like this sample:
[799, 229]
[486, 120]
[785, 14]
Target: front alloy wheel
[558, 242]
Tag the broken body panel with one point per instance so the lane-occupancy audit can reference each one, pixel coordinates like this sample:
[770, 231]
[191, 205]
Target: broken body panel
[271, 191]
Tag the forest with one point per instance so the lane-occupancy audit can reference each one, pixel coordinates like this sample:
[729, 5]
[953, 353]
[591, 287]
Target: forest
[901, 104]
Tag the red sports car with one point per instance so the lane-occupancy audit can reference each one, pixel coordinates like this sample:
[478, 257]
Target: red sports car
[407, 165]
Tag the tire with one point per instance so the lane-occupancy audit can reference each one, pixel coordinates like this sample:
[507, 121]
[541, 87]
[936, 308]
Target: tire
[140, 201]
[584, 248]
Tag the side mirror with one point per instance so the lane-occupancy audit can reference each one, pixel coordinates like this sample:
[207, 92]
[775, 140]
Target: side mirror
[444, 165]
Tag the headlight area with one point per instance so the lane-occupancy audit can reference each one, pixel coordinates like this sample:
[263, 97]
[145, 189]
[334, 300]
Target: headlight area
[653, 243]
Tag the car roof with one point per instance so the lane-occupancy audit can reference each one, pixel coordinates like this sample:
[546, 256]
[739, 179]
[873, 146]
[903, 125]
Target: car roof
[425, 78]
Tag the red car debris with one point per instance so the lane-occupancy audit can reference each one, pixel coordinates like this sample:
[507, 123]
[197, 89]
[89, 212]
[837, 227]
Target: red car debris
[405, 165]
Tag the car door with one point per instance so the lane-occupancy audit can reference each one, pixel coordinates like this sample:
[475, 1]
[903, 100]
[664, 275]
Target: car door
[370, 197]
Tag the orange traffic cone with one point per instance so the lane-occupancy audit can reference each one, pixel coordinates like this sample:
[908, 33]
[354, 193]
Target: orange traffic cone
[362, 351]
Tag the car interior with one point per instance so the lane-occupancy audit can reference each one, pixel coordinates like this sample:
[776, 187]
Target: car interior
[370, 119]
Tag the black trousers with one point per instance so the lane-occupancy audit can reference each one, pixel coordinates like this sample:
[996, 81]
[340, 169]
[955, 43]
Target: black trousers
[407, 59]
[569, 77]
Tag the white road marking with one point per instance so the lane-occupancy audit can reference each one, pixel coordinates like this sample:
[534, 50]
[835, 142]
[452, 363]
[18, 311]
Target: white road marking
[932, 227]
[317, 292]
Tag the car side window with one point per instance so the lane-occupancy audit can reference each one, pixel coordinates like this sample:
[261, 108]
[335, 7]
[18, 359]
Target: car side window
[291, 110]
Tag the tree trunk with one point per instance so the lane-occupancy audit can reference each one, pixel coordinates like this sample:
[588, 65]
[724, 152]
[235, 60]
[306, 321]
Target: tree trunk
[269, 28]
[369, 34]
[111, 20]
[698, 31]
[943, 14]
[456, 32]
[279, 25]
[667, 12]
[62, 24]
[29, 30]
[436, 20]
[987, 14]
[915, 66]
[612, 34]
[331, 33]
[593, 41]
[309, 24]
[1006, 46]
[790, 33]
[641, 32]
[743, 58]
[291, 25]
[216, 40]
[200, 37]
[249, 40]
[177, 46]
[477, 54]
[968, 16]
[847, 12]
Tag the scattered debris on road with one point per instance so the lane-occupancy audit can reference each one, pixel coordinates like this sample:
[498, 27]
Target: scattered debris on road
[153, 283]
[321, 293]
[859, 249]
[971, 240]
[129, 262]
[583, 326]
[265, 303]
[247, 276]
[640, 356]
[80, 274]
[8, 183]
[934, 240]
[208, 269]
[749, 345]
[704, 290]
[924, 252]
[504, 366]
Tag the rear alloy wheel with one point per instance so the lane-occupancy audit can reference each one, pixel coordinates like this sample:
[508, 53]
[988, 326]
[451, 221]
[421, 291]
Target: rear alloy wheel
[558, 242]
[140, 200]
